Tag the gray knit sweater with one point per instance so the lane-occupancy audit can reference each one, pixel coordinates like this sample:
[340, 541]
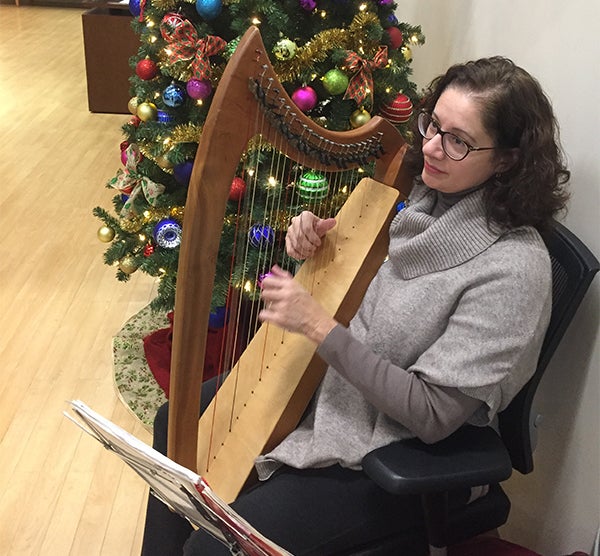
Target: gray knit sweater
[456, 306]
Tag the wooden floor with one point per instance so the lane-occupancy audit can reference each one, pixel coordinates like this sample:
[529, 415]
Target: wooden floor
[60, 492]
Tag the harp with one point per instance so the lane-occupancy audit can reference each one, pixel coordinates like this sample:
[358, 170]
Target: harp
[272, 381]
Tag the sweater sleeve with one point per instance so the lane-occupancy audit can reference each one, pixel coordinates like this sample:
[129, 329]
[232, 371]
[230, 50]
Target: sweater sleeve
[430, 412]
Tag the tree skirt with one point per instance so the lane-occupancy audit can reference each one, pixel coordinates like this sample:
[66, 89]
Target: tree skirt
[136, 386]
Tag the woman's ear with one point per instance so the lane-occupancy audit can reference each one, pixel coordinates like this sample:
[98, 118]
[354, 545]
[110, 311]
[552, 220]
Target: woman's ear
[507, 159]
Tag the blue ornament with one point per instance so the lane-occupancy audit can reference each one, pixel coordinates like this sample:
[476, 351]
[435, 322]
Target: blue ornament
[163, 117]
[392, 19]
[183, 172]
[208, 9]
[173, 96]
[218, 317]
[134, 7]
[167, 234]
[261, 235]
[400, 206]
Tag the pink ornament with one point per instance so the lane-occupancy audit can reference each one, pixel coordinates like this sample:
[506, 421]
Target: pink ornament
[399, 111]
[305, 98]
[198, 89]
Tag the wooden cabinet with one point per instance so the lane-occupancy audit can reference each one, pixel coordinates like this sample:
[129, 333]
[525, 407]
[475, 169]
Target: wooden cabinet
[109, 42]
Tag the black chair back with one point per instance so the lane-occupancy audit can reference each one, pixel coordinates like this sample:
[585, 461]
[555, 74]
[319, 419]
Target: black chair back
[573, 268]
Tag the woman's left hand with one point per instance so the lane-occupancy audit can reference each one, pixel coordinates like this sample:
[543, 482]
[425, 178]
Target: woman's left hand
[291, 307]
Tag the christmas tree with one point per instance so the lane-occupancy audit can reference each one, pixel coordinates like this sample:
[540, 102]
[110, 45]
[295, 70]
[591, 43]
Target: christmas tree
[341, 61]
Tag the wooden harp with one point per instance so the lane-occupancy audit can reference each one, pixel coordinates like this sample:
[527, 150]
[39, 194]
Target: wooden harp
[269, 387]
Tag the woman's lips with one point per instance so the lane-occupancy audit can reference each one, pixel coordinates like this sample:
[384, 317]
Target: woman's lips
[432, 169]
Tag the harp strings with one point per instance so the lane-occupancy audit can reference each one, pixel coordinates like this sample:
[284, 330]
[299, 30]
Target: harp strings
[282, 192]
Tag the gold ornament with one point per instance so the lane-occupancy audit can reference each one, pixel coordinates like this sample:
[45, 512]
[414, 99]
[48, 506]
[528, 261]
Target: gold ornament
[164, 162]
[407, 53]
[106, 234]
[128, 265]
[147, 111]
[359, 117]
[133, 104]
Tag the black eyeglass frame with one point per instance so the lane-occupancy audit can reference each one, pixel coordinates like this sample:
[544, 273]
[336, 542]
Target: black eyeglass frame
[443, 133]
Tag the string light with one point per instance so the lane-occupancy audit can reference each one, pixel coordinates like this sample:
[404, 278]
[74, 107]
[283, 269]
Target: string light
[362, 7]
[142, 238]
[248, 287]
[256, 21]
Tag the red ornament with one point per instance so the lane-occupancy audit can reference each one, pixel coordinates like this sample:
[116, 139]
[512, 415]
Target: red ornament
[395, 36]
[399, 111]
[169, 23]
[148, 250]
[237, 189]
[135, 121]
[146, 69]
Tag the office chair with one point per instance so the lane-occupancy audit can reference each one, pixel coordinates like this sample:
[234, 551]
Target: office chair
[474, 456]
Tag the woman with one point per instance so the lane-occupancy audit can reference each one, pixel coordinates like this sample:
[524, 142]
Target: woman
[448, 332]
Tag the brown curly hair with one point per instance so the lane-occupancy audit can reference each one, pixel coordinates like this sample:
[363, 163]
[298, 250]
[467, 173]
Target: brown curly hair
[518, 115]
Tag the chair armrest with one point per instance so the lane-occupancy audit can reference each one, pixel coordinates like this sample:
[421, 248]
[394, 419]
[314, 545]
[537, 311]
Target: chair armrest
[469, 457]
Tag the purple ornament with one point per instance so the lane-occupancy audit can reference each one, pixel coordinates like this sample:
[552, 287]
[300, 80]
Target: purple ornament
[385, 2]
[183, 172]
[218, 317]
[305, 98]
[308, 5]
[198, 88]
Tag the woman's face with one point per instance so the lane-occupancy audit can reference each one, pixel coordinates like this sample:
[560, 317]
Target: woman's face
[458, 112]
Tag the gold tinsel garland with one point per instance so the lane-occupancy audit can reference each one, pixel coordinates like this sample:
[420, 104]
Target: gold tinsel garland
[318, 49]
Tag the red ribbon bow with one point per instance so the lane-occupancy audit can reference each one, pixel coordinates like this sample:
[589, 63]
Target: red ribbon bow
[184, 44]
[361, 83]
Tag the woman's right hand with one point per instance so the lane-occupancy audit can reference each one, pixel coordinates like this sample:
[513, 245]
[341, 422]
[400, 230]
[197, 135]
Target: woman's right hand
[304, 234]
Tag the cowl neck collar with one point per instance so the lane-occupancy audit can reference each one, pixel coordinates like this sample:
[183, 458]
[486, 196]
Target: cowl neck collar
[422, 244]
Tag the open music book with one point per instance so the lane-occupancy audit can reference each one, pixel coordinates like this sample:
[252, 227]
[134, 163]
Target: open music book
[182, 490]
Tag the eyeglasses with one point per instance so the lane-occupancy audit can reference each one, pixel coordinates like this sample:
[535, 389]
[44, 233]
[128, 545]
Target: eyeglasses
[454, 147]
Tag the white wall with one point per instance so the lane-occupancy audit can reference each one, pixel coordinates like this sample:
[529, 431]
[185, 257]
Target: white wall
[556, 509]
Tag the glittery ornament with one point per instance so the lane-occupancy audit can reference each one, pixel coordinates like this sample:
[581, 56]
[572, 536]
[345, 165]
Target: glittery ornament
[231, 46]
[167, 234]
[106, 234]
[237, 189]
[398, 111]
[395, 36]
[147, 111]
[261, 235]
[198, 89]
[359, 118]
[164, 117]
[134, 7]
[335, 82]
[406, 53]
[182, 172]
[148, 250]
[208, 9]
[134, 121]
[173, 96]
[308, 5]
[285, 49]
[392, 19]
[128, 265]
[133, 104]
[384, 2]
[146, 69]
[312, 186]
[305, 98]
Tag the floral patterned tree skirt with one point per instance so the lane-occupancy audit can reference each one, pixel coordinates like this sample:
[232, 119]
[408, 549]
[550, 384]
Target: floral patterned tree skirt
[134, 381]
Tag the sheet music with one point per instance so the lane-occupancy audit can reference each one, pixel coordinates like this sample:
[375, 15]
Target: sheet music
[181, 489]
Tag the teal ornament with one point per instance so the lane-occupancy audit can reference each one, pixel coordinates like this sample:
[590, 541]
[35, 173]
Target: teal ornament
[335, 82]
[261, 235]
[208, 9]
[167, 234]
[312, 187]
[173, 96]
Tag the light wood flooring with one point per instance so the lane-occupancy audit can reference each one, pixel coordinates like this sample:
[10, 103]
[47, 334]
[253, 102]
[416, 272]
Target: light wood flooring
[60, 492]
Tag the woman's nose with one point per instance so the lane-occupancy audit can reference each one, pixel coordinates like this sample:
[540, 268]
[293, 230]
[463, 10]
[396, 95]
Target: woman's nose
[433, 147]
